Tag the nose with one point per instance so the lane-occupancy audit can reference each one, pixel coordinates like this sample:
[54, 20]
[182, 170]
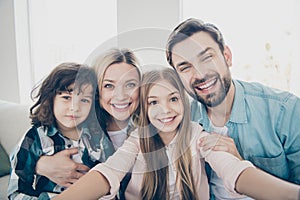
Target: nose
[120, 93]
[75, 106]
[165, 107]
[197, 73]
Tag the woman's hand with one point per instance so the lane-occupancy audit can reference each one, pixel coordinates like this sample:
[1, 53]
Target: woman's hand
[60, 168]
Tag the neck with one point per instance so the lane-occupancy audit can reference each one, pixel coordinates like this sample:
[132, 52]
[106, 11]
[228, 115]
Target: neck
[219, 115]
[167, 137]
[116, 125]
[71, 134]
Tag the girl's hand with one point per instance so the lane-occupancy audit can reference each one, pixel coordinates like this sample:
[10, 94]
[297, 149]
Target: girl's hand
[217, 142]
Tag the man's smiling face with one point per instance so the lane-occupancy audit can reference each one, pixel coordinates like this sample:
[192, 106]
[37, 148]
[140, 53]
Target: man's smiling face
[203, 68]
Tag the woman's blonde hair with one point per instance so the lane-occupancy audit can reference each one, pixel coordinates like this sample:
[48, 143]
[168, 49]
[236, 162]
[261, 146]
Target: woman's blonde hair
[100, 65]
[155, 181]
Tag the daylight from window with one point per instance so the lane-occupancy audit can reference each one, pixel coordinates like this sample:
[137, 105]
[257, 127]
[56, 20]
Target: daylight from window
[262, 35]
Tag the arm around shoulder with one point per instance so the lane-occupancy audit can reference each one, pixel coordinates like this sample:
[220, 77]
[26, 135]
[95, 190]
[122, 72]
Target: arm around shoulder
[92, 185]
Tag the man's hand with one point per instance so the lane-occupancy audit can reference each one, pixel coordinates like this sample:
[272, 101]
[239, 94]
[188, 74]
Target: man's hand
[60, 168]
[218, 142]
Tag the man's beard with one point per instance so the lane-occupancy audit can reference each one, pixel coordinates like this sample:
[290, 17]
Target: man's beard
[214, 99]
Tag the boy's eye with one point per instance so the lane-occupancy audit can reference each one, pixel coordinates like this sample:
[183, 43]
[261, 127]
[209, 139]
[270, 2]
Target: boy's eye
[66, 97]
[85, 100]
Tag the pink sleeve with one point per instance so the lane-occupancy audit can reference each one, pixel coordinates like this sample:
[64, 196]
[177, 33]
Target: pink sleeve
[117, 165]
[112, 179]
[227, 167]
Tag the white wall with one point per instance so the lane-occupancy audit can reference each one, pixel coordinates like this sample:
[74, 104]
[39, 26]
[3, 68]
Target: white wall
[9, 89]
[144, 27]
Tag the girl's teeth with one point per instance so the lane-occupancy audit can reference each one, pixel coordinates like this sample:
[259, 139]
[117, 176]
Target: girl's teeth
[166, 120]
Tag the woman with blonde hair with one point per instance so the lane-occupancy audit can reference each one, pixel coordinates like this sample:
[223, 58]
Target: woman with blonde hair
[118, 74]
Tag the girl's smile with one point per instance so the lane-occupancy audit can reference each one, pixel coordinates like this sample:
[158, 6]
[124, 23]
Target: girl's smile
[165, 108]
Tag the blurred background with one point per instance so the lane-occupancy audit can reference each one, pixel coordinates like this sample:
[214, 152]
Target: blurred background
[37, 35]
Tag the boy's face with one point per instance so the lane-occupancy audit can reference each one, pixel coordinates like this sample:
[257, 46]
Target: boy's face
[165, 108]
[203, 68]
[72, 108]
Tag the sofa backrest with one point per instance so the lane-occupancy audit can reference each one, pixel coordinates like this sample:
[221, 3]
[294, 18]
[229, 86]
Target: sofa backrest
[14, 123]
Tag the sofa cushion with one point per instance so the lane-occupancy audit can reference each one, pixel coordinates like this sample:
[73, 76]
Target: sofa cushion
[4, 160]
[14, 122]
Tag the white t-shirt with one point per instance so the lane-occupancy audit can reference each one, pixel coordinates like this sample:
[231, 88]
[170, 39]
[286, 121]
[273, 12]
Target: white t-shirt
[77, 157]
[118, 137]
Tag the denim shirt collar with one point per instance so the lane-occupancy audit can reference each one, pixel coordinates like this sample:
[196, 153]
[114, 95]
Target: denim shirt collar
[238, 112]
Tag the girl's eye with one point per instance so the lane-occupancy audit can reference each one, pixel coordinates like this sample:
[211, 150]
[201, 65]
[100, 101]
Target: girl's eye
[130, 85]
[174, 99]
[152, 103]
[108, 85]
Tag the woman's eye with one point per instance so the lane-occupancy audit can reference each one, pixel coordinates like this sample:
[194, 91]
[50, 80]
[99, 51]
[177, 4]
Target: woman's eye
[108, 86]
[131, 85]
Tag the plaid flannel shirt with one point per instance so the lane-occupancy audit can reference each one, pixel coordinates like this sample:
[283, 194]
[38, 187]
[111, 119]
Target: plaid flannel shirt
[24, 183]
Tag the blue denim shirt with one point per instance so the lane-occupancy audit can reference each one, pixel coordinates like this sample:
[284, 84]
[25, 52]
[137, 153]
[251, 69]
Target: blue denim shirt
[265, 125]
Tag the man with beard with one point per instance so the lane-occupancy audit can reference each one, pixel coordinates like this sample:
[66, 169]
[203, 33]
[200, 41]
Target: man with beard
[249, 120]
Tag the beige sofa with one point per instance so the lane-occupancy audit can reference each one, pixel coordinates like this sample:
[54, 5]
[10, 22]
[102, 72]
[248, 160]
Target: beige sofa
[14, 122]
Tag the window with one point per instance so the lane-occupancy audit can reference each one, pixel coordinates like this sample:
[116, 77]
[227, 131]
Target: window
[61, 31]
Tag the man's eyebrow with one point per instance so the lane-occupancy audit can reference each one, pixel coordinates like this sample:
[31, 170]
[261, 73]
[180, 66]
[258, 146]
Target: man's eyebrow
[201, 53]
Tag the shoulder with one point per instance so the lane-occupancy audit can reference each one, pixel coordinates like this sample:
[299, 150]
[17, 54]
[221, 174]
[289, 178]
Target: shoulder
[32, 134]
[258, 90]
[197, 130]
[195, 126]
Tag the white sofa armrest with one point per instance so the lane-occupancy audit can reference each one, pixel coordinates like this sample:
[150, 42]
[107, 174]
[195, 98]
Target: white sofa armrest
[14, 122]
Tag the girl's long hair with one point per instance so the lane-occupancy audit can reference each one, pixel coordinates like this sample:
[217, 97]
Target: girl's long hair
[155, 180]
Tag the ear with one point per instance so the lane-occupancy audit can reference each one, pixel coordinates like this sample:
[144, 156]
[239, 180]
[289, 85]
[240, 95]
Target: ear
[227, 55]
